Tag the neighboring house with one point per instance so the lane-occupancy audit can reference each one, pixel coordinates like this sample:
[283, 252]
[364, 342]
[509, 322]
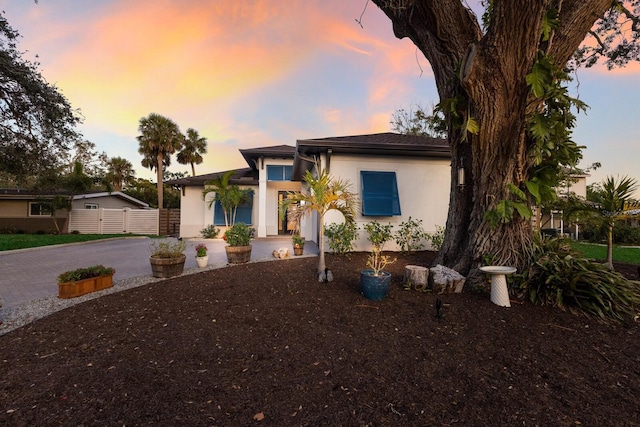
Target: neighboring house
[553, 222]
[395, 176]
[24, 211]
[106, 200]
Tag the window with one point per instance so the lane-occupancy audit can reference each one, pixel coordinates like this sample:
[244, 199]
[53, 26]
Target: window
[279, 173]
[39, 209]
[379, 194]
[90, 206]
[244, 213]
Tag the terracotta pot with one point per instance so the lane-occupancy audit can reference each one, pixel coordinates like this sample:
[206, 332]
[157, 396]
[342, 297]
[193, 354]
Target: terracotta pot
[238, 254]
[167, 267]
[375, 287]
[84, 286]
[298, 250]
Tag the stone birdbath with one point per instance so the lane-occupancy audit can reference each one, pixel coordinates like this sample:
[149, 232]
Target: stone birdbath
[499, 291]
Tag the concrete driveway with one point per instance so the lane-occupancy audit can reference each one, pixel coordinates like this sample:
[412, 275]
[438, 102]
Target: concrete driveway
[30, 274]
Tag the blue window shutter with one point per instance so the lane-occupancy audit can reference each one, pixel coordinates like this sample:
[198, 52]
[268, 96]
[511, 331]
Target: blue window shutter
[245, 211]
[218, 214]
[379, 194]
[244, 214]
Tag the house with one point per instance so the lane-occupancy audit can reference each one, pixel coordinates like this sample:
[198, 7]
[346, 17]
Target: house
[552, 222]
[411, 175]
[27, 211]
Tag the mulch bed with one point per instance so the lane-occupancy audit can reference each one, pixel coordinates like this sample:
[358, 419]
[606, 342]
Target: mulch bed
[266, 344]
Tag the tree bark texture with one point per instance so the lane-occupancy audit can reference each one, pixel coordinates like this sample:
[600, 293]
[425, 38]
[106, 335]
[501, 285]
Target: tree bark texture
[486, 72]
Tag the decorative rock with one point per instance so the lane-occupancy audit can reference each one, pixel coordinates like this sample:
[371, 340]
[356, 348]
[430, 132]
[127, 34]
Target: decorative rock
[281, 253]
[325, 276]
[415, 277]
[446, 280]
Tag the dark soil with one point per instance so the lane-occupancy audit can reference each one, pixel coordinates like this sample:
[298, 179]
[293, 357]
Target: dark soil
[265, 344]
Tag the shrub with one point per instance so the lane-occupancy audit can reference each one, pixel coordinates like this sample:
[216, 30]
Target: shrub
[168, 249]
[410, 235]
[560, 277]
[210, 232]
[85, 273]
[238, 235]
[341, 237]
[436, 238]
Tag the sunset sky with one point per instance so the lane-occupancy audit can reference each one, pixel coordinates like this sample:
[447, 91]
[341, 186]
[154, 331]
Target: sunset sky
[264, 72]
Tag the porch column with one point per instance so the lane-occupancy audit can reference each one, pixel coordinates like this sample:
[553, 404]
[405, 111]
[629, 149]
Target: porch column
[262, 201]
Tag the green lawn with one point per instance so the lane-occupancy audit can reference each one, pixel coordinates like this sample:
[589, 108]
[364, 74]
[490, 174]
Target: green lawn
[620, 253]
[22, 241]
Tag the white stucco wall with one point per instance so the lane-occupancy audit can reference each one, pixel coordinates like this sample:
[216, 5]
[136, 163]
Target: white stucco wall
[423, 187]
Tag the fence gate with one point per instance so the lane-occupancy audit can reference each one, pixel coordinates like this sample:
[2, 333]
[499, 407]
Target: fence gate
[169, 222]
[114, 221]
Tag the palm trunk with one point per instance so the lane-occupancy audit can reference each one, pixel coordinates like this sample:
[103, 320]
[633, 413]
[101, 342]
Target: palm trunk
[159, 178]
[321, 260]
[610, 246]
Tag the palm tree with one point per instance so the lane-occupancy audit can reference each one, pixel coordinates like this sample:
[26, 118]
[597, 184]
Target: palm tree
[230, 196]
[607, 205]
[119, 173]
[159, 138]
[194, 147]
[324, 194]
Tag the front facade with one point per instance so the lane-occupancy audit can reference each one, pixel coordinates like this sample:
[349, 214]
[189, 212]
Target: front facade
[268, 178]
[395, 177]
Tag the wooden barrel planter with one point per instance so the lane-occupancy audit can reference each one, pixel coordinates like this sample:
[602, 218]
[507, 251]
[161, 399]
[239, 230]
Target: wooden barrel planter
[238, 254]
[167, 267]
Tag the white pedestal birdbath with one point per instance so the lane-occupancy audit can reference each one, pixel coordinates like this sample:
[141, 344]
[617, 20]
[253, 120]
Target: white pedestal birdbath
[499, 291]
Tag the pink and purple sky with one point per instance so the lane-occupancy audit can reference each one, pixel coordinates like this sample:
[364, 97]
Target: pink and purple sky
[254, 73]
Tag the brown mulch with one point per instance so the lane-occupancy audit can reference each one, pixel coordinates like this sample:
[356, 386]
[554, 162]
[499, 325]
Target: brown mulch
[265, 344]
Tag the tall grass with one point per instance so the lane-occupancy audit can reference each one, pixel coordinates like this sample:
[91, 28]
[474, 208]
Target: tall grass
[22, 241]
[599, 252]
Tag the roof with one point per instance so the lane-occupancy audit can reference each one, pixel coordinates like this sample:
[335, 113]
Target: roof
[251, 155]
[117, 194]
[245, 176]
[386, 144]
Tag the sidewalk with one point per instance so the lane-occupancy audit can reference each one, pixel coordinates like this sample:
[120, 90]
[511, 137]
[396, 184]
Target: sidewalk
[30, 274]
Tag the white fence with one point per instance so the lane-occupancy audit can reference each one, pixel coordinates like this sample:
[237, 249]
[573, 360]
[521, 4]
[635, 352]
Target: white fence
[114, 221]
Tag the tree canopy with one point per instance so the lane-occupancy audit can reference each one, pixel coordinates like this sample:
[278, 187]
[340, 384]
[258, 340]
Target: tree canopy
[37, 123]
[502, 88]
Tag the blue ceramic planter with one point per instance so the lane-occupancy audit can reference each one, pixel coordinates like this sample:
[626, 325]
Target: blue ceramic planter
[374, 287]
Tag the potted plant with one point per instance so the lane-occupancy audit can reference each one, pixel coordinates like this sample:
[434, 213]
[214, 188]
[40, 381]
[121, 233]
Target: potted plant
[298, 244]
[238, 238]
[374, 281]
[202, 259]
[84, 280]
[167, 258]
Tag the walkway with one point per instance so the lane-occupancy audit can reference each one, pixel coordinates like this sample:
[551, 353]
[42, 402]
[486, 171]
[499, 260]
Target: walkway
[30, 274]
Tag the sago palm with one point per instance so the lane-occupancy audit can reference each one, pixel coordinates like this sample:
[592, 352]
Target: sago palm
[608, 205]
[324, 193]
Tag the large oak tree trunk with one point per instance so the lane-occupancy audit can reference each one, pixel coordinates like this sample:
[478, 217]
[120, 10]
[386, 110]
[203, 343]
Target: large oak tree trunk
[486, 73]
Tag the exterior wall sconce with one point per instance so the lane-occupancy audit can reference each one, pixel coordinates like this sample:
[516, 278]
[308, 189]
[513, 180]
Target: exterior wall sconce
[461, 175]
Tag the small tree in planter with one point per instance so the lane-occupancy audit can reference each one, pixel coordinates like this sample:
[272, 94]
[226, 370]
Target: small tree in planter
[324, 194]
[374, 281]
[298, 244]
[238, 238]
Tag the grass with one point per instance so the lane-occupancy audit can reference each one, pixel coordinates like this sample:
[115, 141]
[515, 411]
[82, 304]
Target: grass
[599, 252]
[21, 241]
